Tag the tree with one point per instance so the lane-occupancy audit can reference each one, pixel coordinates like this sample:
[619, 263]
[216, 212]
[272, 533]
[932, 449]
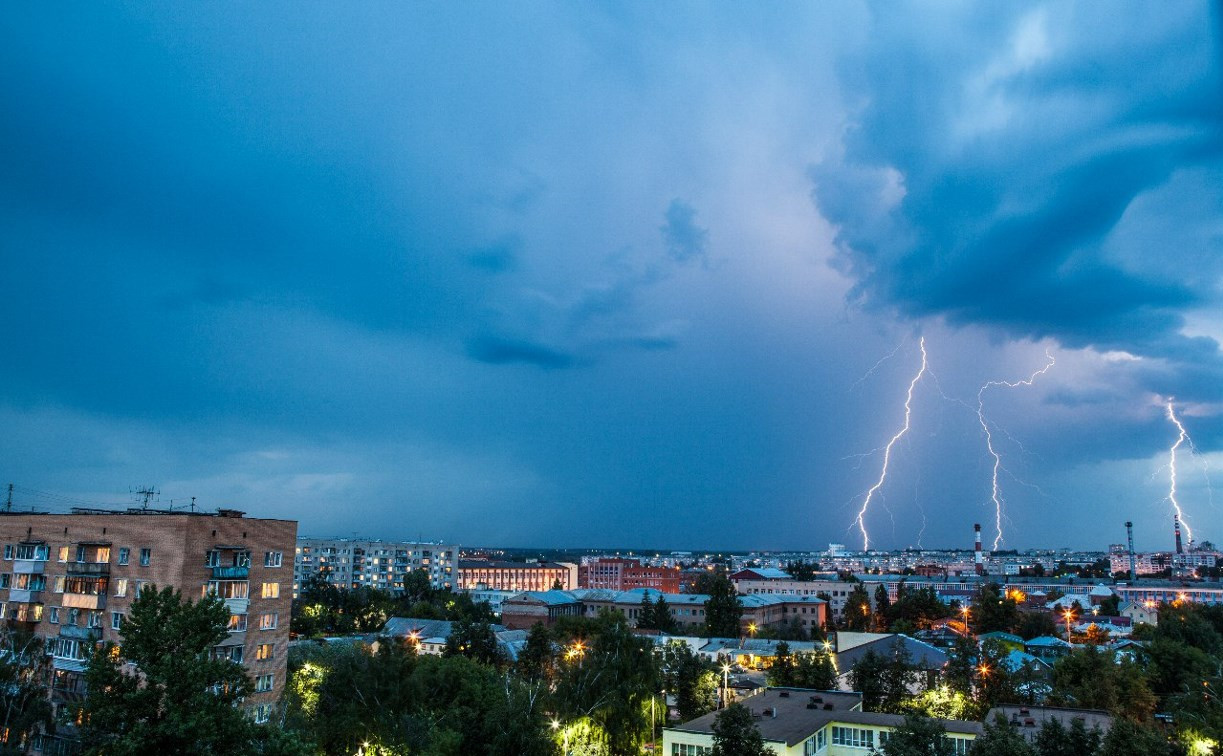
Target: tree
[475, 640]
[1126, 738]
[690, 678]
[1001, 739]
[537, 660]
[781, 673]
[919, 736]
[181, 700]
[800, 570]
[857, 615]
[1111, 606]
[735, 734]
[1035, 624]
[942, 703]
[883, 605]
[992, 611]
[1054, 739]
[25, 680]
[883, 680]
[815, 671]
[1089, 678]
[723, 609]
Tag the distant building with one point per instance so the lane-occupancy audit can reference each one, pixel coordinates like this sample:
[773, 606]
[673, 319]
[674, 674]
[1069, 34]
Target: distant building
[492, 575]
[1028, 720]
[355, 563]
[619, 574]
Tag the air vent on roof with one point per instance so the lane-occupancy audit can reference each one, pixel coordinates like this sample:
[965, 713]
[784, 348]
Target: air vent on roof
[784, 694]
[828, 707]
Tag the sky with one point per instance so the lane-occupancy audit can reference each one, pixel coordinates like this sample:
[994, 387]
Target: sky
[619, 274]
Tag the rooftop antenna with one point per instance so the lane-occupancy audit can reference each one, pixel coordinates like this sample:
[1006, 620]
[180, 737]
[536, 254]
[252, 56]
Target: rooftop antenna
[192, 503]
[147, 493]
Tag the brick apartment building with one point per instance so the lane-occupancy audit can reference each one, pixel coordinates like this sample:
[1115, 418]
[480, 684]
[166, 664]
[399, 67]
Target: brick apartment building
[492, 575]
[619, 574]
[71, 579]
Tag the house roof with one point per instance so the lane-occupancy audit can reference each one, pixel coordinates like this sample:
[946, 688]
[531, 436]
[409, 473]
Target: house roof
[999, 635]
[794, 722]
[1047, 641]
[921, 654]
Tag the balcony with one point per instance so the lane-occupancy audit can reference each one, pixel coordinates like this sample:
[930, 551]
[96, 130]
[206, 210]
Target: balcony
[237, 605]
[231, 573]
[22, 596]
[85, 600]
[80, 633]
[28, 566]
[88, 569]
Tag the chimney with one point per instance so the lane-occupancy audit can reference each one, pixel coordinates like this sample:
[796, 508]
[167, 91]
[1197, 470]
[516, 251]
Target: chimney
[1176, 523]
[978, 556]
[1129, 532]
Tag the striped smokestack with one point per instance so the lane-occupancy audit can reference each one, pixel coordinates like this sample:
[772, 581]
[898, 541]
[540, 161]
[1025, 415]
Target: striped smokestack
[978, 555]
[1176, 530]
[1129, 532]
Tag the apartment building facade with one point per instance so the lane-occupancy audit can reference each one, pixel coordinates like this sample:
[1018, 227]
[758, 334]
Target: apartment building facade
[620, 574]
[71, 579]
[355, 563]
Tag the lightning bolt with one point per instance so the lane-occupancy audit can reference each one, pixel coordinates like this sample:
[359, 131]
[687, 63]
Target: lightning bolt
[995, 489]
[1180, 439]
[887, 450]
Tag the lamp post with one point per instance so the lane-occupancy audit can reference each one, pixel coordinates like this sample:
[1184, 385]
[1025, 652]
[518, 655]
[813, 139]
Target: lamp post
[965, 611]
[725, 684]
[1069, 615]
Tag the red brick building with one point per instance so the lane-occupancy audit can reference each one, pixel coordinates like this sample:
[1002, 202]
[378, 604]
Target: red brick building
[71, 579]
[619, 574]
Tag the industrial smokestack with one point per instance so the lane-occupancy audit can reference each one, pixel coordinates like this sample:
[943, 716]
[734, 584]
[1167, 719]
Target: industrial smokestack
[978, 556]
[1129, 532]
[1176, 529]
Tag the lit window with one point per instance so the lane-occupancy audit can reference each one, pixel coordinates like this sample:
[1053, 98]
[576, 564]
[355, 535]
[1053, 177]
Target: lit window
[237, 623]
[273, 558]
[63, 553]
[59, 584]
[263, 651]
[271, 590]
[269, 621]
[116, 620]
[121, 587]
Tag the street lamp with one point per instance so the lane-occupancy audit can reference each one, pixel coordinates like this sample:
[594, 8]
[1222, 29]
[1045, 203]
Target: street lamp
[1069, 615]
[725, 684]
[965, 611]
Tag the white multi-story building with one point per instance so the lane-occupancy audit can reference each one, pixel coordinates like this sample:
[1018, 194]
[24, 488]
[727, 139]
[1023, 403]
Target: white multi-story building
[352, 563]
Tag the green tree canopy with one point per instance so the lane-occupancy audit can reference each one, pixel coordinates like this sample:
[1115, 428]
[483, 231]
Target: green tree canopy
[735, 734]
[723, 609]
[919, 736]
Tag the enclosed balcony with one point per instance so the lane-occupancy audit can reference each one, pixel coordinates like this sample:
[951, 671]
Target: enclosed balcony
[87, 569]
[85, 600]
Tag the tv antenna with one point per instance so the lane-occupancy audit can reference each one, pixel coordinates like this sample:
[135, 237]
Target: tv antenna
[147, 494]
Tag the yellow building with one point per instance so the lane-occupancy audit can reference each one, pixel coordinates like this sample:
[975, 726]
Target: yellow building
[799, 722]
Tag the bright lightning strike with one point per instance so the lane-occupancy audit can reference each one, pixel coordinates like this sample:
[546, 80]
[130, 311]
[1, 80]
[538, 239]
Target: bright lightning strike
[1180, 439]
[887, 450]
[996, 490]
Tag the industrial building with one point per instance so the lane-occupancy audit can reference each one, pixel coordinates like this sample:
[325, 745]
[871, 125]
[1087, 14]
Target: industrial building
[495, 575]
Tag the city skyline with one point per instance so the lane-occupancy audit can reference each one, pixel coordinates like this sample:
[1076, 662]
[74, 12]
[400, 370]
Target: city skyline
[555, 275]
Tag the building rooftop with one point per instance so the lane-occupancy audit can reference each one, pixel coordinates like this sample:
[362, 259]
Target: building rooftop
[791, 715]
[1029, 719]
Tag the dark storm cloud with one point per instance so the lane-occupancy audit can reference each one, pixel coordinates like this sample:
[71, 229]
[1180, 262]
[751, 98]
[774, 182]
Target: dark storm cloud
[993, 181]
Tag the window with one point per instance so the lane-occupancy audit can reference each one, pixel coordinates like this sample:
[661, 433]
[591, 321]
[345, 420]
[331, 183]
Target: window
[103, 555]
[116, 620]
[145, 556]
[232, 653]
[74, 616]
[271, 590]
[95, 619]
[237, 623]
[263, 712]
[212, 559]
[263, 683]
[8, 551]
[37, 551]
[5, 580]
[121, 587]
[273, 558]
[687, 749]
[228, 589]
[63, 553]
[853, 737]
[53, 615]
[960, 746]
[140, 586]
[269, 621]
[59, 584]
[242, 559]
[125, 554]
[80, 553]
[263, 651]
